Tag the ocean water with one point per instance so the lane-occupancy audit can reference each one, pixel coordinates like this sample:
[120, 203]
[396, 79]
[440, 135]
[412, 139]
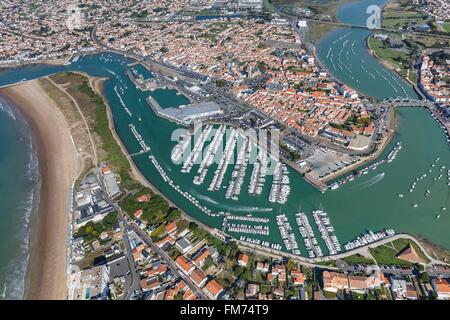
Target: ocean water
[19, 181]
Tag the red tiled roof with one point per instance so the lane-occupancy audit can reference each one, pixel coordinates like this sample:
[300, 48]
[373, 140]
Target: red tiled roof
[214, 288]
[184, 264]
[198, 276]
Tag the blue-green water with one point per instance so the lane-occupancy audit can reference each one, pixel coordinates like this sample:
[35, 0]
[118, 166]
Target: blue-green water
[370, 202]
[19, 191]
[344, 52]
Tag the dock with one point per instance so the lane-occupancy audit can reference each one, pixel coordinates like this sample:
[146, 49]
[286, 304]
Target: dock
[141, 83]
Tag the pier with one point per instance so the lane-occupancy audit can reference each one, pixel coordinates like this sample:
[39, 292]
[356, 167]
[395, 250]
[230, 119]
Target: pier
[141, 83]
[307, 233]
[290, 242]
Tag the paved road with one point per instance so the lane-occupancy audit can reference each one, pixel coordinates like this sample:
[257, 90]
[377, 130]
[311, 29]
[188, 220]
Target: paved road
[197, 290]
[135, 284]
[368, 269]
[361, 250]
[434, 271]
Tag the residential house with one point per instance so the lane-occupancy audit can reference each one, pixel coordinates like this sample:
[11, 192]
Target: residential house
[398, 288]
[262, 266]
[184, 245]
[199, 277]
[242, 259]
[333, 281]
[184, 264]
[298, 278]
[252, 290]
[442, 288]
[214, 288]
[171, 227]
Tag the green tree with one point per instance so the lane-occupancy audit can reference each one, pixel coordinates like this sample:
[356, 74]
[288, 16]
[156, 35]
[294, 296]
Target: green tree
[158, 231]
[182, 224]
[290, 264]
[425, 277]
[237, 270]
[173, 215]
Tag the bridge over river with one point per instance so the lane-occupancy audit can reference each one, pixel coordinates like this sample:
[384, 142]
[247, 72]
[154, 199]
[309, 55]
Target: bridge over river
[405, 102]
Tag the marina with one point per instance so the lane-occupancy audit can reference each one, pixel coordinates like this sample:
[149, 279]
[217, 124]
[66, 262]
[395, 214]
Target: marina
[258, 176]
[439, 120]
[280, 190]
[209, 156]
[368, 238]
[247, 229]
[197, 150]
[327, 231]
[178, 189]
[288, 236]
[144, 147]
[224, 161]
[122, 103]
[237, 177]
[374, 166]
[416, 129]
[267, 244]
[180, 149]
[306, 231]
[249, 218]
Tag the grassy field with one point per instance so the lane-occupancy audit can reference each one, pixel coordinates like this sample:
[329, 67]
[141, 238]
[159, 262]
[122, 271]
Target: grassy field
[396, 58]
[387, 254]
[401, 14]
[447, 26]
[428, 42]
[318, 30]
[78, 129]
[93, 109]
[329, 263]
[413, 76]
[358, 259]
[319, 7]
[401, 244]
[113, 153]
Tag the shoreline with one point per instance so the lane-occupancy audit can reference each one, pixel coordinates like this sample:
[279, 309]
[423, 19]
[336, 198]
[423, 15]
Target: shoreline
[385, 63]
[98, 85]
[45, 276]
[50, 62]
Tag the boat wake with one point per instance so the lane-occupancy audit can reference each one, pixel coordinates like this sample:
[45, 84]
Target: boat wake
[369, 183]
[204, 198]
[228, 207]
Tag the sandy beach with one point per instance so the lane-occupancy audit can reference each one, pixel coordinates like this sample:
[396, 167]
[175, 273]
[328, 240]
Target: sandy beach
[59, 165]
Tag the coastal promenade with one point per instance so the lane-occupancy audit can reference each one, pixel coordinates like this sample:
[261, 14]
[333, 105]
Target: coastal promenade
[315, 261]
